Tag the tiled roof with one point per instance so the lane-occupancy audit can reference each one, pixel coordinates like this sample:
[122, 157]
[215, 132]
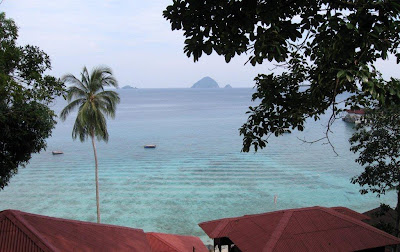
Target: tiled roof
[303, 229]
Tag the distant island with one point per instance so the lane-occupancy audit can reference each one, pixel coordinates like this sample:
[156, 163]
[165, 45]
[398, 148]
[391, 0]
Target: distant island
[206, 82]
[228, 86]
[128, 87]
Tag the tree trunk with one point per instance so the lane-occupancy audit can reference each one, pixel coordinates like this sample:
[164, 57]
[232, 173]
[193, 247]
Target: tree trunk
[97, 179]
[397, 233]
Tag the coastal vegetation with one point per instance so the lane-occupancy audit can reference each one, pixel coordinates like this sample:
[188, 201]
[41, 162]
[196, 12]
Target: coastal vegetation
[94, 105]
[325, 48]
[378, 142]
[25, 94]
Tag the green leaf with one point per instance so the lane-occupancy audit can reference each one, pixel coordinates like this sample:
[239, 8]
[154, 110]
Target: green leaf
[340, 74]
[349, 26]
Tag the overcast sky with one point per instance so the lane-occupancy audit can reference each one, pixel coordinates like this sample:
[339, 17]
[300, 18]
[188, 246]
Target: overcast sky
[131, 37]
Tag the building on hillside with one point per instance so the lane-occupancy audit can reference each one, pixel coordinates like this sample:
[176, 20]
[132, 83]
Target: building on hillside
[175, 243]
[304, 229]
[20, 231]
[354, 116]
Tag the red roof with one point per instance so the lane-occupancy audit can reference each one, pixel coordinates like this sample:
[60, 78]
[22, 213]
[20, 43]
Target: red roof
[304, 229]
[357, 111]
[160, 242]
[20, 231]
[351, 213]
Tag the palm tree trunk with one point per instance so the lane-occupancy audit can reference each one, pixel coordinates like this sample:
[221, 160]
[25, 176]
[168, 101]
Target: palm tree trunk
[97, 179]
[397, 233]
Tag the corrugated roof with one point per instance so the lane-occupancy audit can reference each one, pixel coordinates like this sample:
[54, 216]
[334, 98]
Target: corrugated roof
[160, 242]
[42, 233]
[351, 213]
[304, 229]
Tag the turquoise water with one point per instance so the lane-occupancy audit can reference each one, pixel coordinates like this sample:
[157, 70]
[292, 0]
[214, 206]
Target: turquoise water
[196, 173]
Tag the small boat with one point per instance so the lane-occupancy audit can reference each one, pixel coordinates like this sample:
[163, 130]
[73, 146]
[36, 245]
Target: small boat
[57, 152]
[150, 146]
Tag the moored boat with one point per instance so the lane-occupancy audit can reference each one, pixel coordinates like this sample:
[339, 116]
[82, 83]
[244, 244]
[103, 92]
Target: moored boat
[57, 152]
[150, 146]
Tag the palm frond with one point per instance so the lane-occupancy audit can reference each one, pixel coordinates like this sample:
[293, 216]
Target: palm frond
[104, 77]
[85, 78]
[107, 102]
[112, 95]
[93, 102]
[109, 80]
[101, 127]
[71, 106]
[77, 92]
[85, 113]
[69, 78]
[96, 77]
[80, 130]
[106, 108]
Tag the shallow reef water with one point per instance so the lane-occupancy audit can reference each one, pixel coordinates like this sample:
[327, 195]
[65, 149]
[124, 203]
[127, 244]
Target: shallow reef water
[196, 173]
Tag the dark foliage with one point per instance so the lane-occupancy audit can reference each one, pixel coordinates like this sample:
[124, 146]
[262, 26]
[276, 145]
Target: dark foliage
[378, 145]
[25, 91]
[329, 47]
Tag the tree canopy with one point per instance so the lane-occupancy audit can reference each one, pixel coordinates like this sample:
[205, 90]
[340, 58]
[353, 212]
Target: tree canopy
[378, 144]
[93, 102]
[25, 93]
[328, 46]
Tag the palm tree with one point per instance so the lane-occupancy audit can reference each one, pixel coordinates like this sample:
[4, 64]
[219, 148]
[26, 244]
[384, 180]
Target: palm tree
[94, 104]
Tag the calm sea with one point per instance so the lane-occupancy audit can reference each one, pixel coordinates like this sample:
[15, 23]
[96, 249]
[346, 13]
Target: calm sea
[197, 172]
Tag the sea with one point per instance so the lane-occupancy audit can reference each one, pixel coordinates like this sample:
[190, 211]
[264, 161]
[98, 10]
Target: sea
[196, 173]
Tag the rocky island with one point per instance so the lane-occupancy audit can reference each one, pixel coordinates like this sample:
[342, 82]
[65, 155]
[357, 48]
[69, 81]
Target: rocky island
[228, 86]
[128, 87]
[206, 82]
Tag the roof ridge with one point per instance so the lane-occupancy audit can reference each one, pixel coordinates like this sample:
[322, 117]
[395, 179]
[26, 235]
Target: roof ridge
[216, 220]
[275, 236]
[358, 222]
[77, 221]
[345, 209]
[165, 242]
[218, 229]
[278, 211]
[172, 234]
[259, 214]
[32, 231]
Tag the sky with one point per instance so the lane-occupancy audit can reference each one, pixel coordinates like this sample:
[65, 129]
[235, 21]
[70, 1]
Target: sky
[132, 38]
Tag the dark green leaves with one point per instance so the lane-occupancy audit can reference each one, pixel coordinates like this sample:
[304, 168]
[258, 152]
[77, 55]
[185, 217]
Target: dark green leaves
[331, 46]
[378, 145]
[25, 120]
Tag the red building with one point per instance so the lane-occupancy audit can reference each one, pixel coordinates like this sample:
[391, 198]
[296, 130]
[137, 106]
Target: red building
[304, 229]
[161, 242]
[20, 231]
